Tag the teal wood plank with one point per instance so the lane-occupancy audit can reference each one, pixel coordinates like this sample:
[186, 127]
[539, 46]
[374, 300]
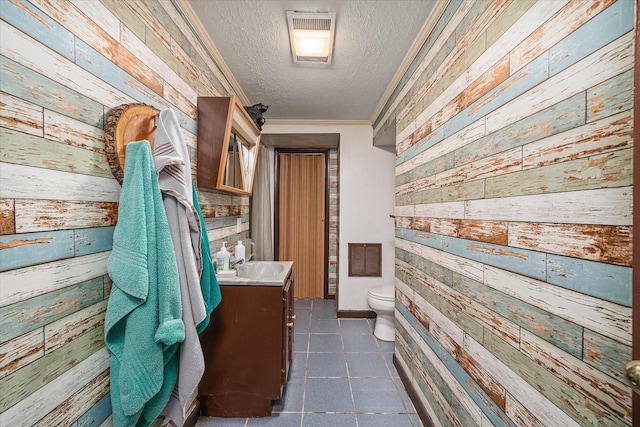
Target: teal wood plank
[479, 396]
[30, 20]
[92, 240]
[125, 15]
[24, 83]
[424, 238]
[606, 355]
[517, 84]
[605, 281]
[561, 333]
[558, 118]
[521, 261]
[22, 317]
[610, 97]
[604, 28]
[91, 60]
[22, 250]
[96, 414]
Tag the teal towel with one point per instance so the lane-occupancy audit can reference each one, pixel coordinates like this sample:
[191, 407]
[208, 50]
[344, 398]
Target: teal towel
[143, 323]
[208, 280]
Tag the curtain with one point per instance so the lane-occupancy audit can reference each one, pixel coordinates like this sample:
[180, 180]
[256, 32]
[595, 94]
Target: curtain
[262, 205]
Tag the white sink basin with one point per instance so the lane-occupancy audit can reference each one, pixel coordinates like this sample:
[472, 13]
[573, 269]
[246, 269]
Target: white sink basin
[259, 273]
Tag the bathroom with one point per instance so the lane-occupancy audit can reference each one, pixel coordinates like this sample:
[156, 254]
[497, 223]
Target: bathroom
[496, 298]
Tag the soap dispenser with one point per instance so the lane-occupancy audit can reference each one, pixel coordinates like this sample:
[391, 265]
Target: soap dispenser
[223, 258]
[239, 252]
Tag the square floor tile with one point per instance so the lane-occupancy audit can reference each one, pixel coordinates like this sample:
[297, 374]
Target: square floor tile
[279, 419]
[328, 343]
[302, 302]
[326, 365]
[323, 309]
[300, 342]
[328, 395]
[293, 395]
[355, 326]
[358, 343]
[367, 365]
[376, 395]
[298, 367]
[221, 422]
[323, 420]
[384, 420]
[386, 346]
[324, 326]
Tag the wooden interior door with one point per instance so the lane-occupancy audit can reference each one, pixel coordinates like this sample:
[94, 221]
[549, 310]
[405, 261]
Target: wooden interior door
[301, 220]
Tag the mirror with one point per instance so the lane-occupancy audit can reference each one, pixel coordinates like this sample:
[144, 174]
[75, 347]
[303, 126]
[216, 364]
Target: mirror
[228, 142]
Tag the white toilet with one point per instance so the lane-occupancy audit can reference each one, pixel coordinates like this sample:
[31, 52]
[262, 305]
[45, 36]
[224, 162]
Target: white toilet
[381, 299]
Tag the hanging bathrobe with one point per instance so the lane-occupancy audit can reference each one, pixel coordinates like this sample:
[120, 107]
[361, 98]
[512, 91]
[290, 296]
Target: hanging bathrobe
[143, 323]
[174, 175]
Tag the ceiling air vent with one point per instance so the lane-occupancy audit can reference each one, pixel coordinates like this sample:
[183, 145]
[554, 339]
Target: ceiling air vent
[311, 36]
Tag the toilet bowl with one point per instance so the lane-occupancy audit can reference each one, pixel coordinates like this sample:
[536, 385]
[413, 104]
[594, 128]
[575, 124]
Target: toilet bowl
[381, 299]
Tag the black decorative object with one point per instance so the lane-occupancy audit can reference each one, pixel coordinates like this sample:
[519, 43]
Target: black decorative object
[255, 112]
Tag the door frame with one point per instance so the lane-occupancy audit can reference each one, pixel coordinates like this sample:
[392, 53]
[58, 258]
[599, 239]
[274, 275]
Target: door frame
[635, 305]
[276, 208]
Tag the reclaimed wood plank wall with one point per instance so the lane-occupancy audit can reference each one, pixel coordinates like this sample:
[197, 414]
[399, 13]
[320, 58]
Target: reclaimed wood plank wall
[64, 64]
[514, 129]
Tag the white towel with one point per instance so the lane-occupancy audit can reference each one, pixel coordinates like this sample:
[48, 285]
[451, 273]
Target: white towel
[173, 166]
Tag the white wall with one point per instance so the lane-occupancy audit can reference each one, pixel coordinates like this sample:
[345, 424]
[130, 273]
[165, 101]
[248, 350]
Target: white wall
[367, 198]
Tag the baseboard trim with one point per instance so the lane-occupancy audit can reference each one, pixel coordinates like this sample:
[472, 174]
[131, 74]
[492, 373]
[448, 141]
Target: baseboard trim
[413, 394]
[356, 314]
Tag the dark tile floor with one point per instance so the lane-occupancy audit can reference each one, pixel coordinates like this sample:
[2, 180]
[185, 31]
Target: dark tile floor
[341, 375]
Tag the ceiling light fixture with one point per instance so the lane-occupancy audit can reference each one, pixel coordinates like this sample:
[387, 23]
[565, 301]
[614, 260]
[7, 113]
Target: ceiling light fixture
[311, 36]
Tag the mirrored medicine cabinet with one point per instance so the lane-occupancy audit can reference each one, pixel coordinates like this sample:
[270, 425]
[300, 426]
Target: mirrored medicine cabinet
[228, 142]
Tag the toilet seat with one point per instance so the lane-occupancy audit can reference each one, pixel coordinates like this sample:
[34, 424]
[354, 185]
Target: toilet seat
[383, 293]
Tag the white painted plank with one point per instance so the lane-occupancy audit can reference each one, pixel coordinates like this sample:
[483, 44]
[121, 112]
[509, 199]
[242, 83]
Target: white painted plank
[608, 319]
[24, 283]
[137, 47]
[26, 51]
[433, 210]
[20, 115]
[21, 351]
[608, 134]
[59, 127]
[27, 182]
[611, 60]
[606, 206]
[528, 396]
[28, 411]
[68, 328]
[99, 14]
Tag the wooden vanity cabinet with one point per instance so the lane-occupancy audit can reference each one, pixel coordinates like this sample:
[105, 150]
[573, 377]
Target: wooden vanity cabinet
[247, 347]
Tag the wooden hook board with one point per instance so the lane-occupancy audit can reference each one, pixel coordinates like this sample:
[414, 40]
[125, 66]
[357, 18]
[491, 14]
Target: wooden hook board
[127, 123]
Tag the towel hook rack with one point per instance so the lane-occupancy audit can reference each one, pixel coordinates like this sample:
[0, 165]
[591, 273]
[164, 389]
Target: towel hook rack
[128, 123]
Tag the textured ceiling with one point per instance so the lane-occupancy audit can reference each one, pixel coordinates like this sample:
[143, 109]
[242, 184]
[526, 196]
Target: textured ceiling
[371, 41]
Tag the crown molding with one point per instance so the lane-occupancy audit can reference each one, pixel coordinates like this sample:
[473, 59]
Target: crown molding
[212, 49]
[430, 23]
[318, 122]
